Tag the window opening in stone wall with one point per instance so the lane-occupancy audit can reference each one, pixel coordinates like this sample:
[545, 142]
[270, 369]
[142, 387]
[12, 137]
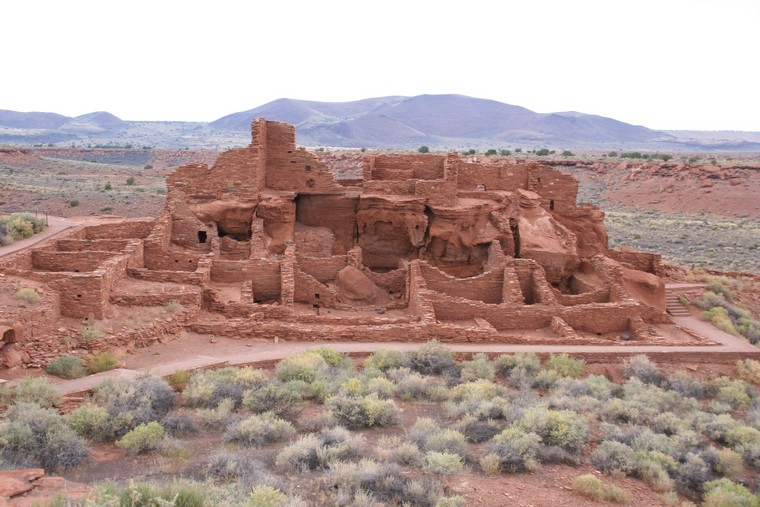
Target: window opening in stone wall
[9, 336]
[316, 295]
[79, 296]
[307, 168]
[551, 205]
[516, 235]
[311, 183]
[202, 236]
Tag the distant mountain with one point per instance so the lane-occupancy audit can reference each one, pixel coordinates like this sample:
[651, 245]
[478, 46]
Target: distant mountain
[394, 122]
[15, 119]
[439, 120]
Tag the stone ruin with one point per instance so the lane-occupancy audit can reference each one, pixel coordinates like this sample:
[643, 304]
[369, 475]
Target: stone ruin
[269, 243]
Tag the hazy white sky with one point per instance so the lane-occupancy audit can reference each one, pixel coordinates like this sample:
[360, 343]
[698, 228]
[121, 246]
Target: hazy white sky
[666, 64]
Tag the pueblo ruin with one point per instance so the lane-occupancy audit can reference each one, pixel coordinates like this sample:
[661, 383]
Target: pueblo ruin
[268, 243]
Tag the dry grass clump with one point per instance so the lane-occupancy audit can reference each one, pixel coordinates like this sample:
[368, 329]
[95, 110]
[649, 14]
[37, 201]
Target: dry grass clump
[593, 488]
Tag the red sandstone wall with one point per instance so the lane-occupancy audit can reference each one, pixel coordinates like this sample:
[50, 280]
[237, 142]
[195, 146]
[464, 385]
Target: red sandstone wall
[68, 261]
[486, 288]
[647, 262]
[101, 245]
[120, 230]
[403, 167]
[507, 177]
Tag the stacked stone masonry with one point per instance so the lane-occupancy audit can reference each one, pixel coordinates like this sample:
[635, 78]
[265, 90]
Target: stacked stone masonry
[266, 243]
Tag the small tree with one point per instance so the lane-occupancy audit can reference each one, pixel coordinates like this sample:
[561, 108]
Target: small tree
[505, 153]
[542, 152]
[491, 153]
[423, 149]
[131, 180]
[568, 153]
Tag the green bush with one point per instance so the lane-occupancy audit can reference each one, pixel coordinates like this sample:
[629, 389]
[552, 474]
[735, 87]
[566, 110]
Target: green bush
[593, 488]
[645, 370]
[410, 385]
[481, 389]
[611, 456]
[143, 438]
[477, 368]
[102, 361]
[565, 365]
[322, 450]
[178, 493]
[562, 428]
[34, 436]
[726, 493]
[305, 366]
[28, 295]
[259, 430]
[423, 149]
[431, 358]
[74, 203]
[67, 367]
[749, 371]
[267, 496]
[131, 403]
[396, 450]
[88, 420]
[37, 390]
[442, 463]
[516, 450]
[363, 412]
[384, 359]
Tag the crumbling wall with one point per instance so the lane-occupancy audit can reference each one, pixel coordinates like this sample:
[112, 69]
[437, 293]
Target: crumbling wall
[486, 287]
[641, 261]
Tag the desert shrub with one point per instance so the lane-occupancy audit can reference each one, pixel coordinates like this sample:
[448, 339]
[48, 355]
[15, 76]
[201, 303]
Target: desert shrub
[88, 420]
[132, 403]
[495, 408]
[686, 385]
[179, 424]
[594, 386]
[749, 370]
[691, 476]
[516, 450]
[447, 440]
[333, 358]
[305, 366]
[272, 397]
[320, 450]
[351, 483]
[90, 333]
[651, 470]
[730, 463]
[612, 456]
[476, 430]
[233, 466]
[37, 436]
[734, 394]
[37, 390]
[726, 493]
[143, 438]
[562, 428]
[751, 454]
[356, 412]
[515, 366]
[669, 423]
[482, 389]
[452, 501]
[645, 370]
[27, 295]
[259, 430]
[176, 493]
[411, 385]
[102, 361]
[218, 416]
[431, 358]
[267, 496]
[479, 367]
[397, 450]
[204, 387]
[179, 380]
[490, 463]
[422, 429]
[565, 365]
[741, 436]
[593, 488]
[173, 306]
[442, 463]
[67, 367]
[384, 359]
